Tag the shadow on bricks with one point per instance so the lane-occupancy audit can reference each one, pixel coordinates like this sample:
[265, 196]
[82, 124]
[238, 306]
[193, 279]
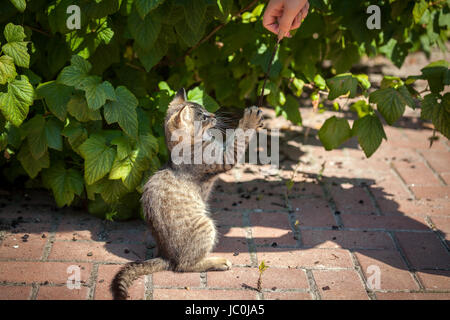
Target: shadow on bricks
[323, 222]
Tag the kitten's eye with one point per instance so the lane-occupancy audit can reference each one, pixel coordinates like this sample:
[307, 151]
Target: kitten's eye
[204, 117]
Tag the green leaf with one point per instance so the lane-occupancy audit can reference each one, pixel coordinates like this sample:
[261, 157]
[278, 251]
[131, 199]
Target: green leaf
[53, 128]
[291, 110]
[77, 107]
[149, 58]
[334, 132]
[56, 96]
[144, 31]
[65, 183]
[198, 95]
[19, 4]
[36, 137]
[97, 92]
[438, 75]
[363, 80]
[344, 58]
[320, 82]
[370, 133]
[129, 169]
[194, 13]
[75, 133]
[110, 190]
[430, 101]
[143, 7]
[341, 85]
[32, 166]
[361, 107]
[123, 147]
[15, 103]
[74, 74]
[188, 37]
[16, 48]
[7, 69]
[98, 158]
[419, 9]
[391, 102]
[437, 109]
[123, 111]
[148, 145]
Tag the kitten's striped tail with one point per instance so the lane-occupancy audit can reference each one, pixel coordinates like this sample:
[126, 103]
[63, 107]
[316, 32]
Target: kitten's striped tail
[133, 270]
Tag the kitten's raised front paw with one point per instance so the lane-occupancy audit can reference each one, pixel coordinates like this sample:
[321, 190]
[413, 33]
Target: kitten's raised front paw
[253, 118]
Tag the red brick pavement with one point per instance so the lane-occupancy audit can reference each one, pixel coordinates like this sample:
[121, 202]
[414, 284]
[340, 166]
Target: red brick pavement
[327, 238]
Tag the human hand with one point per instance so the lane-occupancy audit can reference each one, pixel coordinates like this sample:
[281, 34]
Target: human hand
[281, 16]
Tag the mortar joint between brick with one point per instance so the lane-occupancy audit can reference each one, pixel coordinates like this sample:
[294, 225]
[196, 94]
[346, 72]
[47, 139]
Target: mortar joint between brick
[411, 270]
[428, 165]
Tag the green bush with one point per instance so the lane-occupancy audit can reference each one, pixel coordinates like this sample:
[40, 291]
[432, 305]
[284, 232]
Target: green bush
[82, 110]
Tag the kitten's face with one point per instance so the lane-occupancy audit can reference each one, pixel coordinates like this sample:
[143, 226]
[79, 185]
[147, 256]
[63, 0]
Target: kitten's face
[190, 117]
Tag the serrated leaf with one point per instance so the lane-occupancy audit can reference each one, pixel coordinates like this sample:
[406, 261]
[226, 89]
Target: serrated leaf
[74, 74]
[438, 75]
[144, 31]
[143, 7]
[419, 9]
[75, 133]
[56, 96]
[65, 183]
[96, 91]
[391, 102]
[15, 102]
[98, 158]
[16, 48]
[334, 132]
[148, 145]
[344, 58]
[53, 129]
[188, 37]
[370, 133]
[77, 107]
[123, 147]
[32, 166]
[36, 137]
[129, 169]
[437, 109]
[14, 33]
[123, 111]
[194, 13]
[149, 58]
[199, 96]
[20, 5]
[291, 110]
[7, 69]
[341, 85]
[110, 190]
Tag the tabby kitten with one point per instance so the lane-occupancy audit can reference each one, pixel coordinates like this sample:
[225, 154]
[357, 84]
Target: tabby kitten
[175, 199]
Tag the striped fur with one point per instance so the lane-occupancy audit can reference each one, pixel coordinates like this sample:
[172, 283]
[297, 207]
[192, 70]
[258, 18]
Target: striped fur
[175, 203]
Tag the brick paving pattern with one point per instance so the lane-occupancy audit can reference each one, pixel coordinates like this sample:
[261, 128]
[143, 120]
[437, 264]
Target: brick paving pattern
[323, 239]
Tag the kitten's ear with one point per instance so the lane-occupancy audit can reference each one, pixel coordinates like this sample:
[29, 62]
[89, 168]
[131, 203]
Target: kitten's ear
[180, 97]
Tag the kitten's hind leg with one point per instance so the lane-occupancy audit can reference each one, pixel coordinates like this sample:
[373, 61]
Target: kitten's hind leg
[211, 264]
